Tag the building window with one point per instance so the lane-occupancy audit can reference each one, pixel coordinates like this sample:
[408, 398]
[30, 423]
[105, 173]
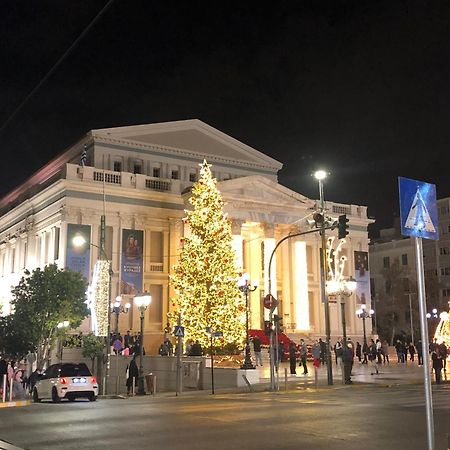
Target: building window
[137, 168]
[444, 250]
[446, 292]
[175, 175]
[445, 270]
[156, 172]
[404, 259]
[56, 244]
[192, 177]
[386, 262]
[387, 286]
[117, 166]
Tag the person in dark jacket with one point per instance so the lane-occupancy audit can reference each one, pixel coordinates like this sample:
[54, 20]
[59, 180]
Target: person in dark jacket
[196, 349]
[436, 359]
[292, 357]
[358, 351]
[443, 351]
[132, 372]
[257, 350]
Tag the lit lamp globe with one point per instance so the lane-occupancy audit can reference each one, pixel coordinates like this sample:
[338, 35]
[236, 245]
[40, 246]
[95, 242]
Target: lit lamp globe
[78, 240]
[333, 286]
[351, 285]
[320, 175]
[142, 301]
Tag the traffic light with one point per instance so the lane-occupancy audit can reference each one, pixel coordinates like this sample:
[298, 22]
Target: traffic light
[267, 327]
[342, 226]
[278, 322]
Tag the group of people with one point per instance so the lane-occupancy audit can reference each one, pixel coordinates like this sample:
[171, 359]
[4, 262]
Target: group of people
[129, 343]
[15, 373]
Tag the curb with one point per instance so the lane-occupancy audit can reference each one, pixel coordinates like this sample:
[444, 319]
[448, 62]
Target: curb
[16, 403]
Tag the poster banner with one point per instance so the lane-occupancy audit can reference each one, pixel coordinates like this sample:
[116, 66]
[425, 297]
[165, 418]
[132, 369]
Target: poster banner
[362, 278]
[78, 257]
[131, 273]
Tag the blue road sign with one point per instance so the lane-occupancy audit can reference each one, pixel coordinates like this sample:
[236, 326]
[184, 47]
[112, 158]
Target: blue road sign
[418, 210]
[178, 331]
[217, 334]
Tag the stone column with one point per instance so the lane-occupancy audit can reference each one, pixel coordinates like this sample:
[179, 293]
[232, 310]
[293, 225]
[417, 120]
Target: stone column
[301, 300]
[236, 231]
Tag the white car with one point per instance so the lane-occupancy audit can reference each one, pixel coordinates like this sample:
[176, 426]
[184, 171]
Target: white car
[68, 380]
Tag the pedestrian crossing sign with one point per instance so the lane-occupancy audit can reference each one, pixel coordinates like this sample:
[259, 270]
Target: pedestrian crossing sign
[418, 209]
[178, 331]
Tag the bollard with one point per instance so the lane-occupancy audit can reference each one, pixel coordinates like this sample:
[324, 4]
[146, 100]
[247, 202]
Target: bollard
[316, 376]
[285, 379]
[11, 384]
[133, 390]
[4, 388]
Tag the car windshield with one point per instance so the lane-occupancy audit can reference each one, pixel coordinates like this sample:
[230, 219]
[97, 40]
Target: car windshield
[74, 370]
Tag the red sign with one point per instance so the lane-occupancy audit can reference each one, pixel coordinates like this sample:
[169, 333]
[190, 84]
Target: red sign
[270, 301]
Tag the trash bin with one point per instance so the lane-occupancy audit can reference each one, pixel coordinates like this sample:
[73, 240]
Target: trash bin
[150, 380]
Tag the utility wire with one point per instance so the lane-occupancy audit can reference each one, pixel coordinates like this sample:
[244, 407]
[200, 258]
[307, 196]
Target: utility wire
[55, 66]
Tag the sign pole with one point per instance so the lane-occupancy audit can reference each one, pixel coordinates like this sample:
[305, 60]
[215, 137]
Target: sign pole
[212, 364]
[179, 351]
[424, 336]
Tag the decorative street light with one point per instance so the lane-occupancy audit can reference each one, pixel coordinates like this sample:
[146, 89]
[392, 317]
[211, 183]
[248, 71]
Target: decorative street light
[320, 175]
[246, 287]
[118, 308]
[363, 314]
[103, 314]
[142, 301]
[342, 288]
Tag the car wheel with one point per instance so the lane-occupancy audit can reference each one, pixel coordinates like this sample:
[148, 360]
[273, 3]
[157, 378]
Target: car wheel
[92, 397]
[36, 398]
[55, 397]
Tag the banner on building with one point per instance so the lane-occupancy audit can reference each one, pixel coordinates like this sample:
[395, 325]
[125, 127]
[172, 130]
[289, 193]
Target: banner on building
[362, 278]
[78, 256]
[132, 266]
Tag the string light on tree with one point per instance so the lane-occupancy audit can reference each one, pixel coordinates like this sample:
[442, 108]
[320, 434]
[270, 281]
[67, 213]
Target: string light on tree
[205, 276]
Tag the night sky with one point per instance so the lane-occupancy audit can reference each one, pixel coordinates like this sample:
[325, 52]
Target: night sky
[359, 87]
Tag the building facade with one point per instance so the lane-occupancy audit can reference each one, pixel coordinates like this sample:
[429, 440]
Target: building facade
[138, 177]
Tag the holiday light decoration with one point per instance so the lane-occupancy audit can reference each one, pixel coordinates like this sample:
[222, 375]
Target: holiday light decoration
[205, 277]
[442, 333]
[98, 298]
[335, 264]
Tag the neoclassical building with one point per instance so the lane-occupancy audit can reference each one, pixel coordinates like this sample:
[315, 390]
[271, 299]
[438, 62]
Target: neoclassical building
[139, 178]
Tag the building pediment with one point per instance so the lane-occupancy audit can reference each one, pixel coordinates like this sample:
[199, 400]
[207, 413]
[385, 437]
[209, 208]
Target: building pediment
[192, 138]
[261, 190]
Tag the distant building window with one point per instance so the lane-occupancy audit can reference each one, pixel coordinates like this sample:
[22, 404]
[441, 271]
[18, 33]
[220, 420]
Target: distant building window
[386, 262]
[444, 210]
[137, 168]
[387, 286]
[156, 172]
[192, 177]
[445, 270]
[117, 166]
[446, 292]
[444, 250]
[404, 259]
[175, 175]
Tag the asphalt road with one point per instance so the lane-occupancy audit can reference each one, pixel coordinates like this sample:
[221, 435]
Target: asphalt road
[348, 417]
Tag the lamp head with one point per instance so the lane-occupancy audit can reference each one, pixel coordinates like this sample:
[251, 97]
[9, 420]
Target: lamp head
[320, 175]
[351, 284]
[78, 240]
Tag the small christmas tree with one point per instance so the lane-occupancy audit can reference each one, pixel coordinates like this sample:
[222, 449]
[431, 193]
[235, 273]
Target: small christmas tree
[205, 277]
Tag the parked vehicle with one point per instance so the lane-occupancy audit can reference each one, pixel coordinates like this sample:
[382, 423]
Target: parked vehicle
[68, 380]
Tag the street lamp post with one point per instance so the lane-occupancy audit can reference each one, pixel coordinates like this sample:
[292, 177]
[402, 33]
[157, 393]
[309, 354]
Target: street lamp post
[344, 288]
[142, 301]
[363, 314]
[246, 287]
[320, 175]
[117, 308]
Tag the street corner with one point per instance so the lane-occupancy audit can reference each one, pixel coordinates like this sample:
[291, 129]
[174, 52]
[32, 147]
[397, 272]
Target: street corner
[15, 403]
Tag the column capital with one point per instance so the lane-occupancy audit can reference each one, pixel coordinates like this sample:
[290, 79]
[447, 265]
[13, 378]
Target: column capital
[269, 229]
[236, 226]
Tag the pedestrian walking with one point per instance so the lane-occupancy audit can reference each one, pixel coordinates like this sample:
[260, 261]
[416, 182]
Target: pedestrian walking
[257, 350]
[132, 373]
[419, 353]
[412, 351]
[444, 353]
[365, 350]
[323, 350]
[378, 344]
[292, 357]
[373, 357]
[338, 352]
[303, 355]
[385, 351]
[436, 359]
[358, 351]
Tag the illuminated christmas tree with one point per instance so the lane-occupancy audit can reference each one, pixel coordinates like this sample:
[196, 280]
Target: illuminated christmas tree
[205, 277]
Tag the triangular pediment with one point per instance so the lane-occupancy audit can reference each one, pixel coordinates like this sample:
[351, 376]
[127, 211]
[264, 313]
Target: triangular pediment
[262, 190]
[193, 138]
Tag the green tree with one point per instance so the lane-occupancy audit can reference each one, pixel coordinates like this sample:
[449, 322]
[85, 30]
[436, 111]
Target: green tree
[92, 347]
[205, 277]
[42, 300]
